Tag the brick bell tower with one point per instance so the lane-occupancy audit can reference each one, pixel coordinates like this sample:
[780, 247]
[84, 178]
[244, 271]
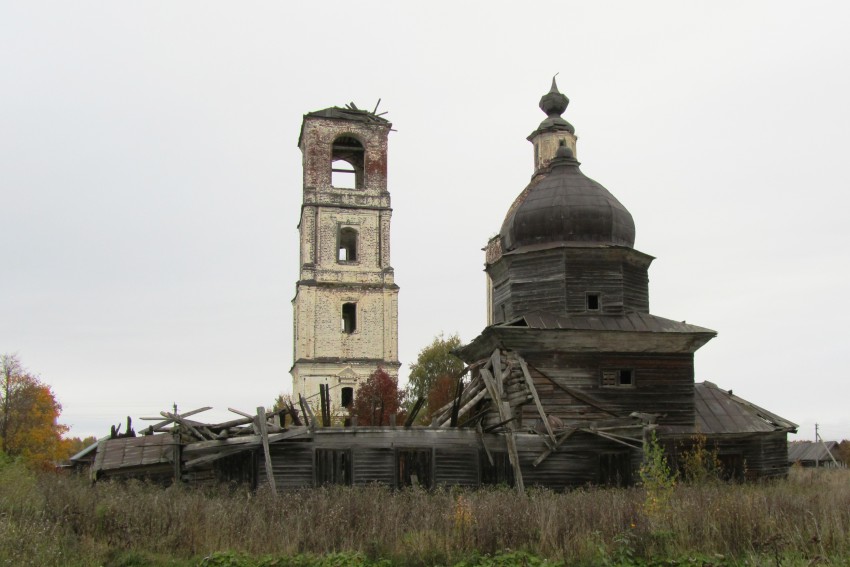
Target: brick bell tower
[346, 300]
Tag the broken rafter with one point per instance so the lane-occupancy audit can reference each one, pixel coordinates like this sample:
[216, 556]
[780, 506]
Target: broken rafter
[161, 424]
[264, 437]
[577, 395]
[506, 416]
[560, 440]
[529, 382]
[468, 406]
[617, 439]
[184, 423]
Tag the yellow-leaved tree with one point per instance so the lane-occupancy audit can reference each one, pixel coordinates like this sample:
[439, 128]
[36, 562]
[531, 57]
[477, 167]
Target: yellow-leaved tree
[28, 416]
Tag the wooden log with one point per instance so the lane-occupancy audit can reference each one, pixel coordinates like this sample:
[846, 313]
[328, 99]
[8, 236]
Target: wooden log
[518, 399]
[308, 412]
[456, 405]
[264, 437]
[232, 423]
[243, 414]
[496, 365]
[469, 392]
[490, 384]
[460, 374]
[469, 405]
[529, 382]
[513, 455]
[420, 401]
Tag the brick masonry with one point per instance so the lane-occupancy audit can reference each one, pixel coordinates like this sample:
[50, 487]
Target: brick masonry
[323, 351]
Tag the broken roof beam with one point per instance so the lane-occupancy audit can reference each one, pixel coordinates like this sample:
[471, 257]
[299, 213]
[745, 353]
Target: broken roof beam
[161, 424]
[468, 406]
[563, 437]
[529, 382]
[584, 398]
[185, 424]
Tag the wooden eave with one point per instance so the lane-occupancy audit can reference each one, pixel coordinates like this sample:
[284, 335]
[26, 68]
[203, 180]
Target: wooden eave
[528, 339]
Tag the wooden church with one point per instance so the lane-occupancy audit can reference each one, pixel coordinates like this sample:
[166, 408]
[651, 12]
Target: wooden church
[568, 296]
[565, 386]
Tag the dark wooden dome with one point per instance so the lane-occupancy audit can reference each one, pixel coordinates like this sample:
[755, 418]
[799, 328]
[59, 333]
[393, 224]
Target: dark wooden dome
[562, 205]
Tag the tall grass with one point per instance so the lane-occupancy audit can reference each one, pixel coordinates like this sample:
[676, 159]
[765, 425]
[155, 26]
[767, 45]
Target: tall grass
[58, 520]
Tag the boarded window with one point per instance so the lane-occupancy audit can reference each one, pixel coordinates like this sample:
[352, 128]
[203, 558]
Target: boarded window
[349, 317]
[618, 378]
[347, 251]
[333, 466]
[414, 468]
[499, 472]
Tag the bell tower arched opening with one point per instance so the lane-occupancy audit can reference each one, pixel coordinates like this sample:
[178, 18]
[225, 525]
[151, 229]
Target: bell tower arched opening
[347, 159]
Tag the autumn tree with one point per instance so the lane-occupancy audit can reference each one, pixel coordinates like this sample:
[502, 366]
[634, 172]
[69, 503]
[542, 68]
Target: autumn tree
[73, 445]
[28, 416]
[434, 374]
[377, 399]
[434, 360]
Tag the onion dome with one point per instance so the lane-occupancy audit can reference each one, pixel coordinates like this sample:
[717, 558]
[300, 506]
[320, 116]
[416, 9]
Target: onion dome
[562, 205]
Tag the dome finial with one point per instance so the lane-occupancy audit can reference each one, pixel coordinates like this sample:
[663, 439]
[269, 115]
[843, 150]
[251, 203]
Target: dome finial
[554, 103]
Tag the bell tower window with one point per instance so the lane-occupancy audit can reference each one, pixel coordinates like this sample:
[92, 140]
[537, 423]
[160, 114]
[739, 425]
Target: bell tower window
[347, 396]
[349, 318]
[347, 247]
[347, 160]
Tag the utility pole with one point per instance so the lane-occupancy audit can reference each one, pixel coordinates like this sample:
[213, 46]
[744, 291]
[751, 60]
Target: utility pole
[828, 452]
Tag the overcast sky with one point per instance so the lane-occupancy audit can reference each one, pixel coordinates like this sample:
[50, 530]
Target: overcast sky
[151, 182]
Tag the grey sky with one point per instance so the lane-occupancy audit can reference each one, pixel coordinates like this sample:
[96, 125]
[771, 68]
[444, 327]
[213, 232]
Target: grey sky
[151, 182]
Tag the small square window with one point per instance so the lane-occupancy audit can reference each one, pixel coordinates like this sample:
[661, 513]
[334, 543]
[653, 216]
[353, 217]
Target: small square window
[618, 378]
[593, 302]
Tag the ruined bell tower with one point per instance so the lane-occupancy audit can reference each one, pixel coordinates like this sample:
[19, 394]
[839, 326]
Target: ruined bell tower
[346, 300]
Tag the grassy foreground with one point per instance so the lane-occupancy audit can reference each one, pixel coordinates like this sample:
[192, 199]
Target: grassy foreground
[49, 519]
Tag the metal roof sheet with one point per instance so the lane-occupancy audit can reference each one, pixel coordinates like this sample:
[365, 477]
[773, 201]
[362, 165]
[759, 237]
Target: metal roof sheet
[719, 412]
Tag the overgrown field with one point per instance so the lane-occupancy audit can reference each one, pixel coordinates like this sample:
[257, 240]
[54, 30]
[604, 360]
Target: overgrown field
[49, 519]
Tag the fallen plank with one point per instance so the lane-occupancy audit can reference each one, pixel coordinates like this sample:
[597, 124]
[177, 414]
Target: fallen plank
[529, 382]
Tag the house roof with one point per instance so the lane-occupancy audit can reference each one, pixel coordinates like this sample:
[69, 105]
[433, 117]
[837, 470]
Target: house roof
[811, 451]
[86, 454]
[720, 412]
[132, 452]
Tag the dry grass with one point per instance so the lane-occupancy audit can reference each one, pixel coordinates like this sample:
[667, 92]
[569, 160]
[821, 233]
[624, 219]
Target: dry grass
[57, 520]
